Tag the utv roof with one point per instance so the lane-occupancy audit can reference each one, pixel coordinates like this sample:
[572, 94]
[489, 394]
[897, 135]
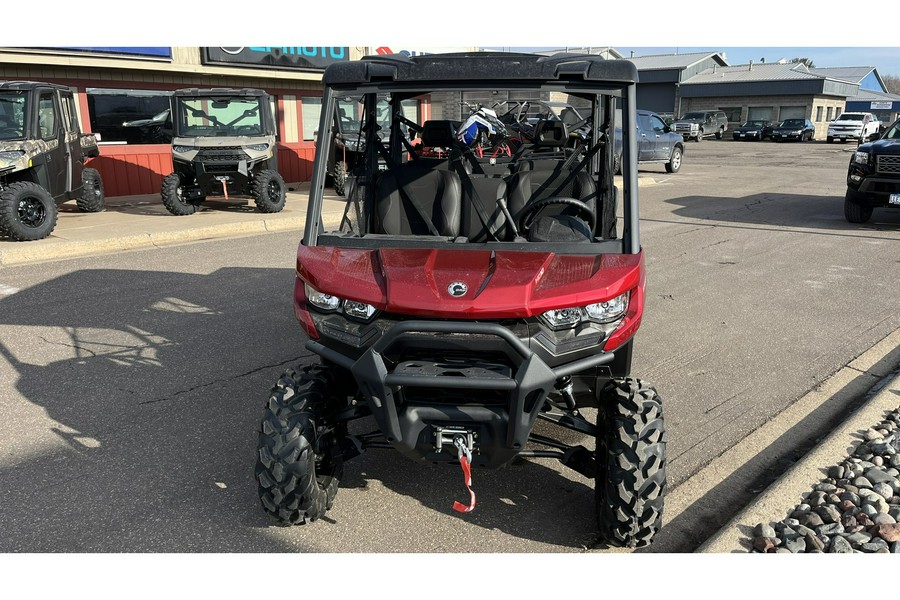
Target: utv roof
[193, 92]
[481, 67]
[30, 85]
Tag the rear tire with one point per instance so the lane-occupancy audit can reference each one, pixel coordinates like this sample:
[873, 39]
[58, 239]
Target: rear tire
[630, 482]
[855, 212]
[92, 198]
[172, 194]
[27, 212]
[674, 163]
[299, 466]
[269, 191]
[719, 134]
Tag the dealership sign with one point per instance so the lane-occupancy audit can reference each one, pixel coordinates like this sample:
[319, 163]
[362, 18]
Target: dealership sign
[278, 57]
[876, 105]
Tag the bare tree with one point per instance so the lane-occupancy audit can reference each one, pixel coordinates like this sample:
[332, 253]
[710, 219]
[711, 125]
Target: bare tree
[892, 83]
[806, 61]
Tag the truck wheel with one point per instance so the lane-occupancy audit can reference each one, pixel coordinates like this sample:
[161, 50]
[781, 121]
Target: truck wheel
[268, 190]
[172, 193]
[699, 137]
[92, 198]
[855, 212]
[340, 177]
[299, 467]
[719, 134]
[27, 212]
[630, 484]
[674, 163]
[829, 139]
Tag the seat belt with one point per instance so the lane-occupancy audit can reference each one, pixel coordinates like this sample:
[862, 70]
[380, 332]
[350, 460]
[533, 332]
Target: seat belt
[392, 166]
[479, 209]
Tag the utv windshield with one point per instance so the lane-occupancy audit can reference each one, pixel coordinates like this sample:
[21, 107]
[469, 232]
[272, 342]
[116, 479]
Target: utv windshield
[208, 116]
[12, 115]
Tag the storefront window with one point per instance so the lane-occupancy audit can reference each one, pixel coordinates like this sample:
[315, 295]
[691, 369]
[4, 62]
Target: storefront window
[828, 114]
[130, 116]
[311, 109]
[818, 113]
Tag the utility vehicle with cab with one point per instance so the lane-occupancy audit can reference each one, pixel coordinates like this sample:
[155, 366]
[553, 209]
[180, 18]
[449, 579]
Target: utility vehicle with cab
[42, 159]
[223, 144]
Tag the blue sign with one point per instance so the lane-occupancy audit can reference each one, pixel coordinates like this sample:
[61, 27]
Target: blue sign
[128, 50]
[282, 57]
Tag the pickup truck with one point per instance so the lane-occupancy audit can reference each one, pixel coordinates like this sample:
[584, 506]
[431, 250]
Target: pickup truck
[700, 124]
[656, 141]
[873, 176]
[859, 126]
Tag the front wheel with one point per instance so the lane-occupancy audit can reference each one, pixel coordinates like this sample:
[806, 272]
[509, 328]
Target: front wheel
[268, 190]
[172, 193]
[299, 465]
[27, 212]
[855, 212]
[674, 163]
[340, 178]
[719, 134]
[92, 198]
[630, 484]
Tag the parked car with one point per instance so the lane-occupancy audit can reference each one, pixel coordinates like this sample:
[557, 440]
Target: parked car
[700, 124]
[873, 176]
[656, 142]
[754, 130]
[859, 126]
[794, 129]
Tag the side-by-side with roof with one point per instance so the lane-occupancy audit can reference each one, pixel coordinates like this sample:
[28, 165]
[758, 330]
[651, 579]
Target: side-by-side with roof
[464, 297]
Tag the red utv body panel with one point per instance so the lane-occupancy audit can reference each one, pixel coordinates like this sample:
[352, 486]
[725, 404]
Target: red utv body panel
[501, 284]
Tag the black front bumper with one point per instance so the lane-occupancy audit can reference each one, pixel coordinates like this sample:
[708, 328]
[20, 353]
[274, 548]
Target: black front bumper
[498, 401]
[874, 190]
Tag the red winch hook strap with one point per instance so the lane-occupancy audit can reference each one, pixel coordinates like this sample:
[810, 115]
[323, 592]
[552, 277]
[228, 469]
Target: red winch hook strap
[464, 455]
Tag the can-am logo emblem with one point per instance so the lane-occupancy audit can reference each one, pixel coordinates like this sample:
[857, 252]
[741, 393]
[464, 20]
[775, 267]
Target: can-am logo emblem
[457, 289]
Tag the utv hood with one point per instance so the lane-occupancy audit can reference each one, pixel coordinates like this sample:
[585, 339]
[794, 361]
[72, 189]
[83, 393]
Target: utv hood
[497, 284]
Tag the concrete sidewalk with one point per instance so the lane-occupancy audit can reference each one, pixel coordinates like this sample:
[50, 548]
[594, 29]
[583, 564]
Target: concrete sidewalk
[134, 222]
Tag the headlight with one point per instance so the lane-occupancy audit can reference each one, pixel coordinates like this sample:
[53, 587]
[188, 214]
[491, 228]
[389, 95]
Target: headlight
[329, 303]
[258, 147]
[798, 132]
[600, 312]
[182, 149]
[861, 158]
[323, 301]
[11, 155]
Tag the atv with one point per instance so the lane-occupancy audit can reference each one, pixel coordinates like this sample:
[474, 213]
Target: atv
[223, 144]
[42, 159]
[462, 299]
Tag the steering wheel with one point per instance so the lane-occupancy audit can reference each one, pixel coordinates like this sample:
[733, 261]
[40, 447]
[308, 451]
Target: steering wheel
[527, 215]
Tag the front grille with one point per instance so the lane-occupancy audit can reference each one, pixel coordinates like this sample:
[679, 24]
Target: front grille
[683, 127]
[228, 167]
[226, 154]
[887, 164]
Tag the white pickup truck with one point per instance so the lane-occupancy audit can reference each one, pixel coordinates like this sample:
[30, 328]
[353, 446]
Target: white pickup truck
[859, 126]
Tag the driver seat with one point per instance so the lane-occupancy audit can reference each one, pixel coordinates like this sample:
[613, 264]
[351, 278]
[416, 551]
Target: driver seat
[532, 185]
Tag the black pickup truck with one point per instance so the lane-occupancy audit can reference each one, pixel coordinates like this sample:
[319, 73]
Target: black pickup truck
[873, 176]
